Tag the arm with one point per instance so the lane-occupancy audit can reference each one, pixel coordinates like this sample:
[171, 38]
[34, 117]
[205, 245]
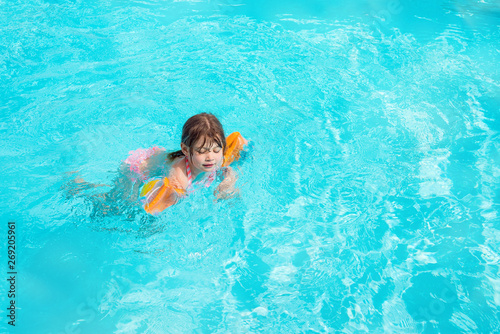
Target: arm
[160, 193]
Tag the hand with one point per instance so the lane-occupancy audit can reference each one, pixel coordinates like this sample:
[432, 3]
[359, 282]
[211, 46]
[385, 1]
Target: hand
[226, 194]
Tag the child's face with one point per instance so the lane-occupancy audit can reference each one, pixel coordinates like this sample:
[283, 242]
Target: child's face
[206, 157]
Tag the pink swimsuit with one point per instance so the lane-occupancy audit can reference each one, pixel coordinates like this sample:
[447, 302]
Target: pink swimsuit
[137, 157]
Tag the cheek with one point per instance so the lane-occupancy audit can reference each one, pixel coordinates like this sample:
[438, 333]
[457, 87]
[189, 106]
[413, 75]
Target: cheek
[200, 159]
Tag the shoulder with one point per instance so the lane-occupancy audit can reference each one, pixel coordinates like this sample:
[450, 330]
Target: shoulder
[179, 164]
[178, 175]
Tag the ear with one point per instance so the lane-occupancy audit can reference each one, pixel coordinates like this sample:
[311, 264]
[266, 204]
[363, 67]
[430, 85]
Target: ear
[184, 150]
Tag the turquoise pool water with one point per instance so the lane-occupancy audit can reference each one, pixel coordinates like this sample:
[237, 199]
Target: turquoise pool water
[369, 202]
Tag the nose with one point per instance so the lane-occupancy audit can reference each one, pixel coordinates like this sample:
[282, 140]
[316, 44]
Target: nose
[210, 156]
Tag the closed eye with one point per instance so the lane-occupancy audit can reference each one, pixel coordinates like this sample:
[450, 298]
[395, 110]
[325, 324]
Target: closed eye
[205, 150]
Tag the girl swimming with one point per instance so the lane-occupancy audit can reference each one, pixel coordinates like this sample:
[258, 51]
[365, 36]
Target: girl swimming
[205, 153]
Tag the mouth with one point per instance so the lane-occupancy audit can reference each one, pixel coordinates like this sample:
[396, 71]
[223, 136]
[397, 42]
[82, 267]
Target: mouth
[208, 165]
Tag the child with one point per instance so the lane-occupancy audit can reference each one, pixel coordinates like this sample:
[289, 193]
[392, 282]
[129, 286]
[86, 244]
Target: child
[204, 153]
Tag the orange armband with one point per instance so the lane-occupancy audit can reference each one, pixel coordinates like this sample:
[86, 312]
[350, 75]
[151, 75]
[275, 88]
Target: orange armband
[234, 145]
[157, 195]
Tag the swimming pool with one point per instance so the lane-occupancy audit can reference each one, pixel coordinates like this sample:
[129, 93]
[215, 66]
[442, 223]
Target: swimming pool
[369, 200]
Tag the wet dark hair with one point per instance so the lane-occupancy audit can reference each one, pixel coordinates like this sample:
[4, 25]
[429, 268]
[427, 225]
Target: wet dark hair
[205, 126]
